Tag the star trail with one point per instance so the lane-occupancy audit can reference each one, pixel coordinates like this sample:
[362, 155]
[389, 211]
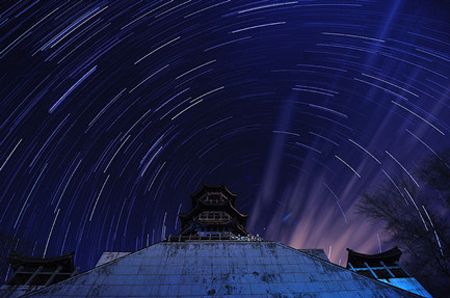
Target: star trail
[113, 112]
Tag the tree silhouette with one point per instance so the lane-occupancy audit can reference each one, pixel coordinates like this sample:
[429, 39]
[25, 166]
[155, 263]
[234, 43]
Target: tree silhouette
[417, 219]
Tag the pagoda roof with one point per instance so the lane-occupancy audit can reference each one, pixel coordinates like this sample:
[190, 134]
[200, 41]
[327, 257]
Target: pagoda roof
[198, 207]
[235, 226]
[207, 188]
[389, 257]
[65, 261]
[213, 188]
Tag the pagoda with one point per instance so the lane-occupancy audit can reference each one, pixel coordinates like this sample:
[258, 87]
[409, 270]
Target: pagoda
[213, 215]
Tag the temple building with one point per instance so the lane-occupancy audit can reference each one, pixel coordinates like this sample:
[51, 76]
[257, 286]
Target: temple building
[213, 214]
[31, 274]
[385, 267]
[214, 256]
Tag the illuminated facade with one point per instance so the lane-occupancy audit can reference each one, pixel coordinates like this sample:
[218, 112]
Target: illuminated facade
[385, 267]
[214, 256]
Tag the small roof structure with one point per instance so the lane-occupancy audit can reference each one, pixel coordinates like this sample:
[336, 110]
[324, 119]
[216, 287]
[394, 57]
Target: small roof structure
[40, 271]
[381, 265]
[384, 267]
[389, 257]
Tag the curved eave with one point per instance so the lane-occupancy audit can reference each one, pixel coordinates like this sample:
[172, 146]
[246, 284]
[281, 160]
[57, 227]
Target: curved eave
[214, 222]
[238, 212]
[201, 205]
[185, 223]
[236, 226]
[392, 254]
[207, 188]
[16, 260]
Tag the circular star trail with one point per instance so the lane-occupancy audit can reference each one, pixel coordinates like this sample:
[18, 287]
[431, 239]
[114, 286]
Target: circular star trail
[113, 112]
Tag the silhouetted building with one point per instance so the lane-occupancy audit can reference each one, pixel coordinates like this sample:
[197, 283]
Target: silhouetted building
[214, 256]
[213, 213]
[385, 267]
[31, 273]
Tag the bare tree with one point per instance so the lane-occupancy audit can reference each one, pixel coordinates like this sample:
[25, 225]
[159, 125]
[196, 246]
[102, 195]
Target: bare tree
[418, 221]
[435, 171]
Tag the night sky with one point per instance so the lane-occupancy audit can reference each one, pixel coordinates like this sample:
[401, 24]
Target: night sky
[113, 112]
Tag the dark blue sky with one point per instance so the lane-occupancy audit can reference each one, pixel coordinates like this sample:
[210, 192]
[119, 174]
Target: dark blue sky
[113, 112]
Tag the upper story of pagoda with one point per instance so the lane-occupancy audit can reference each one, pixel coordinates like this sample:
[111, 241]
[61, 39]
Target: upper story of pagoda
[213, 214]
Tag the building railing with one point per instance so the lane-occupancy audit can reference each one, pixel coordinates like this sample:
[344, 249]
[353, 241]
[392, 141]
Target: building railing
[213, 237]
